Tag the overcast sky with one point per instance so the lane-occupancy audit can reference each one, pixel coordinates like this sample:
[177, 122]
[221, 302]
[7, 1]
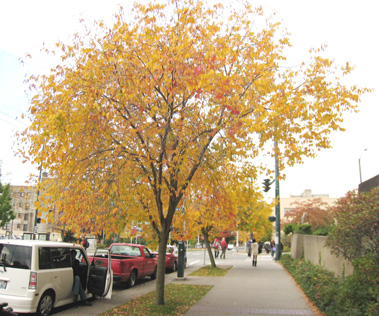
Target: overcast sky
[348, 27]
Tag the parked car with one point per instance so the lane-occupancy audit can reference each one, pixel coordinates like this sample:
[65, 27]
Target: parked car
[230, 246]
[36, 275]
[129, 262]
[172, 258]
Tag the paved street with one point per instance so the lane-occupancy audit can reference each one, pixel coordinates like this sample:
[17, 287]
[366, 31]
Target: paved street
[245, 290]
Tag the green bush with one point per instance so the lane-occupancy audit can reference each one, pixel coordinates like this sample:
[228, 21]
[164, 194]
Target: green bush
[304, 229]
[355, 295]
[323, 231]
[289, 228]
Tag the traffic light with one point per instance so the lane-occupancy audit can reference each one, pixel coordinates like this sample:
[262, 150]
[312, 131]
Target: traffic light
[266, 185]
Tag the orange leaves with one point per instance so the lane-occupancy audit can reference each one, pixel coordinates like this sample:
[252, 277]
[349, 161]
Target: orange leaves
[161, 97]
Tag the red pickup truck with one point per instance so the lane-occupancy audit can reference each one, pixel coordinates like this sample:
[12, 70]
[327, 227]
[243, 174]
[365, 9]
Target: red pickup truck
[129, 263]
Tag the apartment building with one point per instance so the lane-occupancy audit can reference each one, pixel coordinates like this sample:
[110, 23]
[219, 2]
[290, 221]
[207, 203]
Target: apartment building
[24, 225]
[23, 198]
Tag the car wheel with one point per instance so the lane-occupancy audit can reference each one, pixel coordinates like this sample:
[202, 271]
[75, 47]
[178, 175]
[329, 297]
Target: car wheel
[45, 304]
[174, 267]
[154, 275]
[132, 279]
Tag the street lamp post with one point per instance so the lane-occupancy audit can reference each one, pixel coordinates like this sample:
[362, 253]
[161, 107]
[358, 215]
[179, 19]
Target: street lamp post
[359, 163]
[278, 251]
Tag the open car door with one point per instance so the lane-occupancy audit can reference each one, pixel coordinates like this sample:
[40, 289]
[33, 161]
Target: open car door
[100, 279]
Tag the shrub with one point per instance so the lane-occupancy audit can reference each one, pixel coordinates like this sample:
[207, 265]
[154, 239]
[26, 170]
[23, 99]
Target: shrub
[356, 295]
[289, 228]
[304, 229]
[356, 233]
[322, 231]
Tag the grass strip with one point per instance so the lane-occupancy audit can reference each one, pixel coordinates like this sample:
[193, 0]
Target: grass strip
[210, 271]
[179, 298]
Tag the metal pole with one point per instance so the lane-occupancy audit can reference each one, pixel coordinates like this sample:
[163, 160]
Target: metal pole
[359, 163]
[35, 232]
[278, 247]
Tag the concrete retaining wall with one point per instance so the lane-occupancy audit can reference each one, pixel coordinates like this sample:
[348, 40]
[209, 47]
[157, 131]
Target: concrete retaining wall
[314, 250]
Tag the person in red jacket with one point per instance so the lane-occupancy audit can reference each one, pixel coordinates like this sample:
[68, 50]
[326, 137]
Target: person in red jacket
[224, 246]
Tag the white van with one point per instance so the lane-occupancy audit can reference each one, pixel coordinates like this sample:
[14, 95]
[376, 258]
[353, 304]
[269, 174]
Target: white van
[36, 276]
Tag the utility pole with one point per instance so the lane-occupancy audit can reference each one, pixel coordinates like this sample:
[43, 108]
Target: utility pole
[36, 220]
[278, 248]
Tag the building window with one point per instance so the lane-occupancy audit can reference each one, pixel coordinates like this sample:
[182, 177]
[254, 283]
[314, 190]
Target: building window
[26, 217]
[20, 204]
[22, 194]
[27, 206]
[18, 226]
[25, 227]
[18, 215]
[6, 226]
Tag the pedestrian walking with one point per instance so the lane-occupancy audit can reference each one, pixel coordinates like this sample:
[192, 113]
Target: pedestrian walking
[260, 247]
[267, 247]
[254, 252]
[272, 246]
[216, 246]
[224, 246]
[248, 248]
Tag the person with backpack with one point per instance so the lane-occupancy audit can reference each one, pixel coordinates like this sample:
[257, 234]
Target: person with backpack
[224, 246]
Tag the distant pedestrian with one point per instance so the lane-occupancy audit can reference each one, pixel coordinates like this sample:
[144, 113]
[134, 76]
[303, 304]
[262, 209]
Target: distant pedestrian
[260, 247]
[254, 252]
[267, 246]
[216, 247]
[272, 246]
[248, 248]
[85, 243]
[224, 246]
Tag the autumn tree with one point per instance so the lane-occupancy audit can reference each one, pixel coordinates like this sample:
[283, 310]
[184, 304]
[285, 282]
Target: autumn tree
[209, 204]
[125, 120]
[356, 229]
[312, 211]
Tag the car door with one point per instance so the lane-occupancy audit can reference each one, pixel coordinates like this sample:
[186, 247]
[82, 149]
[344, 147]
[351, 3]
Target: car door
[100, 279]
[149, 262]
[60, 269]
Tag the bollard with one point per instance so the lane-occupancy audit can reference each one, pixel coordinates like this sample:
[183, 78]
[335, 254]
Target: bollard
[181, 259]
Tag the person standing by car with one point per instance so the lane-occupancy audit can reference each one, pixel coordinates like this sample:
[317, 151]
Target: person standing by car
[77, 288]
[224, 246]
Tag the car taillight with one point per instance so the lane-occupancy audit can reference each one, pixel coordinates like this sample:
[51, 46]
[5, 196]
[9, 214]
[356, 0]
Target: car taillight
[33, 281]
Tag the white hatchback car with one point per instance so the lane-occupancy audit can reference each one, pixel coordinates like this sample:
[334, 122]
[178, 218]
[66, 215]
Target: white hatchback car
[36, 276]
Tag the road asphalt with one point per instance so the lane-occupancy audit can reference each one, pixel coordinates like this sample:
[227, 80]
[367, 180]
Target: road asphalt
[264, 290]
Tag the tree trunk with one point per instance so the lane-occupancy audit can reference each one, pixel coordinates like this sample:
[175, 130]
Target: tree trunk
[161, 269]
[207, 244]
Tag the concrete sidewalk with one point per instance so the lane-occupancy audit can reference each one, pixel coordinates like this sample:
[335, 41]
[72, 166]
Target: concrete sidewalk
[245, 290]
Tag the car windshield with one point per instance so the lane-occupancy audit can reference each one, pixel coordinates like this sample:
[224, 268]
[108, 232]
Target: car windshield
[126, 250]
[15, 256]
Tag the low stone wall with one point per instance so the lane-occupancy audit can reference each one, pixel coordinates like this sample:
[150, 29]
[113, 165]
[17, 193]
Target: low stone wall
[314, 250]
